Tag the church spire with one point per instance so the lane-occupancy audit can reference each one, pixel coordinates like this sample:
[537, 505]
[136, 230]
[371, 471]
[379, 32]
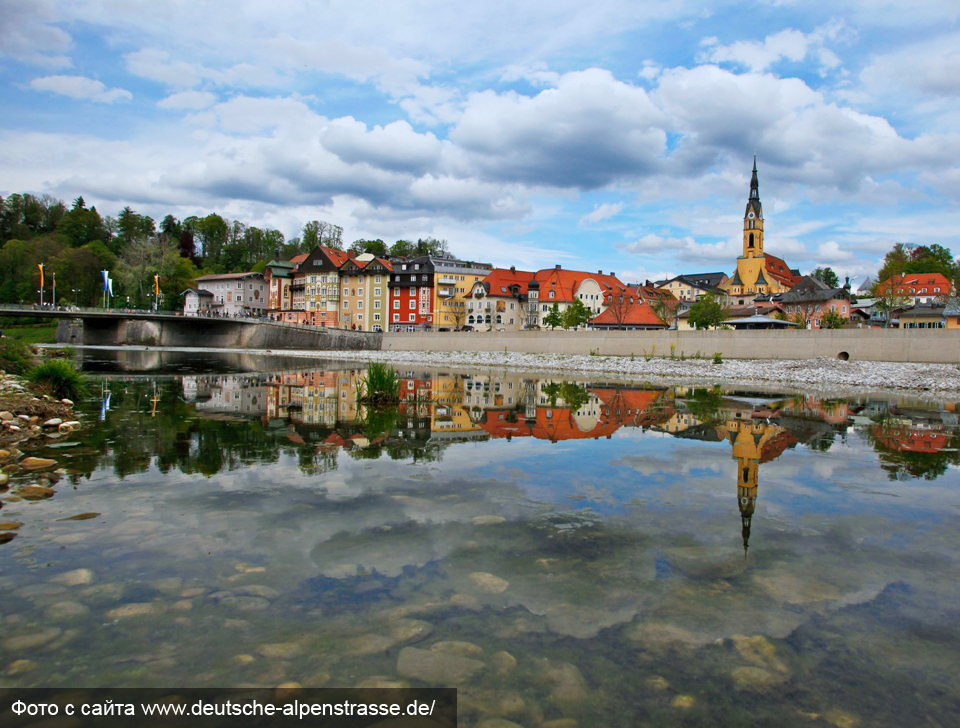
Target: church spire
[754, 182]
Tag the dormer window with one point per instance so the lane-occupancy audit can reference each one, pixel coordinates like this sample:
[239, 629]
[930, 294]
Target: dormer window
[553, 294]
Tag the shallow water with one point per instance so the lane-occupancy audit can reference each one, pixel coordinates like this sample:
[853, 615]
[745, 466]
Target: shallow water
[610, 554]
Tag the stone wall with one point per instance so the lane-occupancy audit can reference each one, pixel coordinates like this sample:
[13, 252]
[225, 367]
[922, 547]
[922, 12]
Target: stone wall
[205, 333]
[898, 345]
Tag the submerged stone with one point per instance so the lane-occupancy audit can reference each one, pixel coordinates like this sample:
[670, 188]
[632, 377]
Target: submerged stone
[439, 668]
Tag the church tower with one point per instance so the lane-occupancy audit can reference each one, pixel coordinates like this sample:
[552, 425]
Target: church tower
[753, 219]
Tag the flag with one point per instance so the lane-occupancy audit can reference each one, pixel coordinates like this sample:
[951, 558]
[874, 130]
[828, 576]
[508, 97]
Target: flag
[110, 285]
[40, 266]
[156, 283]
[106, 277]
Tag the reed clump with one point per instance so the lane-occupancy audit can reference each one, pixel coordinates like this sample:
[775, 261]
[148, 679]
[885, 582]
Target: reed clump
[380, 387]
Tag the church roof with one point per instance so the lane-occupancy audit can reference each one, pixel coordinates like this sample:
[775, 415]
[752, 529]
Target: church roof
[736, 279]
[761, 279]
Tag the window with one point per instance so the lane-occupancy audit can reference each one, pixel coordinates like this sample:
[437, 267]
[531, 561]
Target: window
[359, 317]
[376, 317]
[377, 291]
[359, 304]
[346, 279]
[396, 317]
[377, 280]
[553, 294]
[423, 278]
[376, 304]
[346, 304]
[346, 291]
[240, 285]
[413, 304]
[396, 303]
[413, 317]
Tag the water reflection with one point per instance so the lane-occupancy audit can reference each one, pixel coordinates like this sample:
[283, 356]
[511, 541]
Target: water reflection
[563, 550]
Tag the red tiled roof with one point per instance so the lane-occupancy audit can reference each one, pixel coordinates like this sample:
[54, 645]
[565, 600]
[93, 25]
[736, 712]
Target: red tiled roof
[637, 313]
[567, 282]
[915, 281]
[777, 268]
[500, 280]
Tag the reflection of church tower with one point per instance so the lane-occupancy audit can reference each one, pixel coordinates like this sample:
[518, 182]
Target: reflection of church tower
[755, 441]
[747, 444]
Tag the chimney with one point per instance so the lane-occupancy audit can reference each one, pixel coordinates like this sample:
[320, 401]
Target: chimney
[276, 254]
[513, 269]
[599, 272]
[556, 267]
[612, 274]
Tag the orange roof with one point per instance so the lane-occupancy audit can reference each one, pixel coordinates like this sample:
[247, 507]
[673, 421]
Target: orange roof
[777, 268]
[915, 281]
[567, 282]
[635, 311]
[499, 281]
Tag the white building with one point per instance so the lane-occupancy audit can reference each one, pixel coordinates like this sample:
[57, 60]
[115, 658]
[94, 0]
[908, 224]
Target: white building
[234, 294]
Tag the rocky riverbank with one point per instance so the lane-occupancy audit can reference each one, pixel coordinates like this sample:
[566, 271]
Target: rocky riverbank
[28, 418]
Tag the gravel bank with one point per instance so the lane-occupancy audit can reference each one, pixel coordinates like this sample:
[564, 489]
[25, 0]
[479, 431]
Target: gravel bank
[822, 373]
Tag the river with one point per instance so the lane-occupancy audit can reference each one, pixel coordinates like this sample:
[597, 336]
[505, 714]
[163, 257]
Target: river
[565, 552]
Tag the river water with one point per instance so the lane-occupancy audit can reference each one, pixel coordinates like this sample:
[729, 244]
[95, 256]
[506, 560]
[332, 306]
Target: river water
[565, 552]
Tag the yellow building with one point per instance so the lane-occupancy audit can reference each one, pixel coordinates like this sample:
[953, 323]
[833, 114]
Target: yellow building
[757, 273]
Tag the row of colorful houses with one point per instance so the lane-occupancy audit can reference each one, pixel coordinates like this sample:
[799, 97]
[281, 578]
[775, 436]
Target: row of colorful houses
[330, 287]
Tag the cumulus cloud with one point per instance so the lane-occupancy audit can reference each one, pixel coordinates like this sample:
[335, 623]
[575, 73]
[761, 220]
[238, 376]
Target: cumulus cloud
[587, 132]
[81, 87]
[830, 252]
[790, 45]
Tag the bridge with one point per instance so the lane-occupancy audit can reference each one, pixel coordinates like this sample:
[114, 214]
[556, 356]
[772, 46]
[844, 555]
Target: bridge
[117, 326]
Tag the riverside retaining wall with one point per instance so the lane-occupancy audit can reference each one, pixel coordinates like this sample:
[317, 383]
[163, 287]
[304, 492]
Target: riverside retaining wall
[936, 346]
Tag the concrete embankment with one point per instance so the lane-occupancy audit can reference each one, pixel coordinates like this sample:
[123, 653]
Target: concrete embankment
[934, 346]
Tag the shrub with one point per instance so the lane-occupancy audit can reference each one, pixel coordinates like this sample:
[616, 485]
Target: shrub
[60, 377]
[718, 357]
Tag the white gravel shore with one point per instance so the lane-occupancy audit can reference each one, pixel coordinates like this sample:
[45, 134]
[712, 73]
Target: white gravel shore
[824, 374]
[821, 373]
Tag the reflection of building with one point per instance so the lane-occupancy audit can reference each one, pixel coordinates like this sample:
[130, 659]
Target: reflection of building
[565, 411]
[240, 394]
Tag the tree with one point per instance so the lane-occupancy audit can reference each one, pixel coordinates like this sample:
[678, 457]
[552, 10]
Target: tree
[318, 232]
[826, 276]
[432, 247]
[894, 262]
[889, 297]
[374, 247]
[833, 320]
[576, 315]
[619, 305]
[554, 318]
[211, 233]
[707, 313]
[403, 248]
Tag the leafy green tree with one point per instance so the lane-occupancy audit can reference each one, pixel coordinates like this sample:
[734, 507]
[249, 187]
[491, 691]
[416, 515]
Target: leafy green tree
[826, 276]
[432, 247]
[894, 262]
[375, 247]
[707, 313]
[576, 315]
[833, 320]
[403, 248]
[554, 318]
[81, 226]
[211, 234]
[79, 276]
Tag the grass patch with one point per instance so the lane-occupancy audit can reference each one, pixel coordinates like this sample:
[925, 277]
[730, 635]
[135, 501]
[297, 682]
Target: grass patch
[45, 333]
[16, 357]
[60, 377]
[381, 386]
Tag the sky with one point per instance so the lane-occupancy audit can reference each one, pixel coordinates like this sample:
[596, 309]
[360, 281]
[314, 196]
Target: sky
[612, 135]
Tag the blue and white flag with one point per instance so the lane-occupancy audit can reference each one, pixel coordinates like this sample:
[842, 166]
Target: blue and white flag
[106, 279]
[110, 286]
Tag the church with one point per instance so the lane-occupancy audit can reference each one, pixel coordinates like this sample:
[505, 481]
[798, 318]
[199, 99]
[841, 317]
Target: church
[758, 273]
